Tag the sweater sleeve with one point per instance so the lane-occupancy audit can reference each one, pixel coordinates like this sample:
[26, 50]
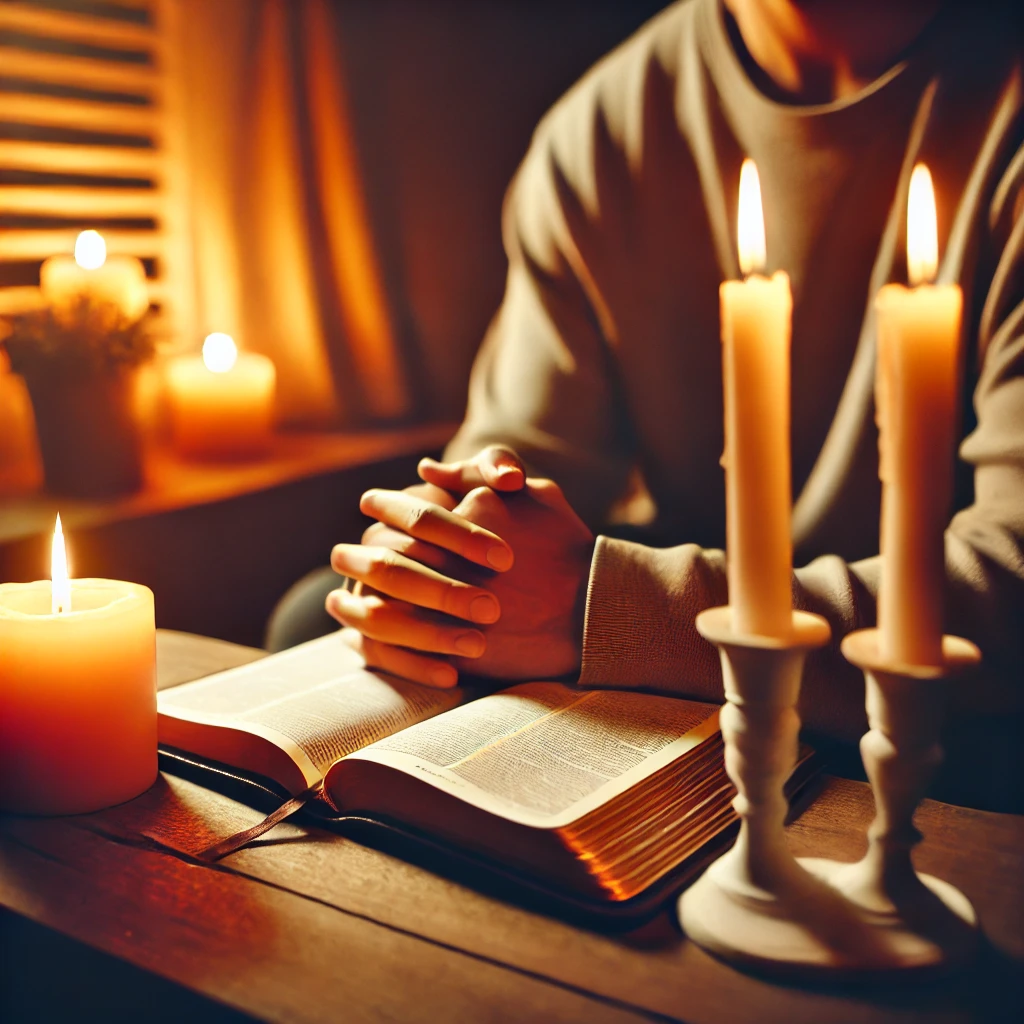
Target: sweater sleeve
[985, 541]
[639, 626]
[641, 602]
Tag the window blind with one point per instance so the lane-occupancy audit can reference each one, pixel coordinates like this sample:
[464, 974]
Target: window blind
[89, 138]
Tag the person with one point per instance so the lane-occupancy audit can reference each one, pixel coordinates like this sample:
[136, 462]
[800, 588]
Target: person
[604, 357]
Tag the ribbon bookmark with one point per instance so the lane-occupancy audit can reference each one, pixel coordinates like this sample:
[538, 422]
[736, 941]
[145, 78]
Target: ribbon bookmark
[225, 846]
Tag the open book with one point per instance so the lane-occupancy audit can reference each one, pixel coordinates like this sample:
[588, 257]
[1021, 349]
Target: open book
[601, 792]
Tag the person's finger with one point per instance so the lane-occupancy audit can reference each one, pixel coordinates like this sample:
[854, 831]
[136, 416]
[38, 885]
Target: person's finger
[426, 521]
[431, 492]
[496, 466]
[379, 535]
[501, 468]
[481, 505]
[396, 622]
[401, 662]
[388, 572]
[548, 493]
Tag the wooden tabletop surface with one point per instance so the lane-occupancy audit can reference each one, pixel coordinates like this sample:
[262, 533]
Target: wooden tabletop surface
[308, 926]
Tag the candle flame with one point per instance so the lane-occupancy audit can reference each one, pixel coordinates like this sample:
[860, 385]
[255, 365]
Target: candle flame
[60, 586]
[922, 228]
[750, 226]
[90, 250]
[219, 352]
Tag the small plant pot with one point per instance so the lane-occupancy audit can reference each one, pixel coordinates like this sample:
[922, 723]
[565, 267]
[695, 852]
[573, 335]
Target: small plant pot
[88, 436]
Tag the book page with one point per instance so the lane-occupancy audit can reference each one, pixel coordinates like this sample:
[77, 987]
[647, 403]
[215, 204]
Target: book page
[544, 754]
[316, 702]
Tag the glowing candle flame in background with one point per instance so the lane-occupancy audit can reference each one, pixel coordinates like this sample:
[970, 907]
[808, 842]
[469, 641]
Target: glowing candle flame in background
[219, 352]
[750, 221]
[60, 586]
[922, 228]
[90, 250]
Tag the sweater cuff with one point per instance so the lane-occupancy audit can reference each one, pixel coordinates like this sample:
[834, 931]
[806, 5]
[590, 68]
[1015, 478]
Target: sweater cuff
[639, 622]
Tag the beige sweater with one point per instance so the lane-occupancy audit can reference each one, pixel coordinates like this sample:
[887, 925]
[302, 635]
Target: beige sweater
[605, 353]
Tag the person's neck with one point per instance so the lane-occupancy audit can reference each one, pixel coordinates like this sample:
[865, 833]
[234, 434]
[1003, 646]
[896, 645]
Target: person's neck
[819, 51]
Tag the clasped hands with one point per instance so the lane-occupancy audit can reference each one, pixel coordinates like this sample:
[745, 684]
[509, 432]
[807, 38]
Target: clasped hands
[478, 569]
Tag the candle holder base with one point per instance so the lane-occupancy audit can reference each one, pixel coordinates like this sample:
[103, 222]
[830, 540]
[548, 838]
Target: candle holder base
[755, 906]
[802, 928]
[934, 927]
[921, 922]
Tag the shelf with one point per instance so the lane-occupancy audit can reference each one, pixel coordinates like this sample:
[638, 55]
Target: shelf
[172, 483]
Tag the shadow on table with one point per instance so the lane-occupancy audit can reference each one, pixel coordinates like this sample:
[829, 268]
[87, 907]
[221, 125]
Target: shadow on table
[45, 976]
[990, 989]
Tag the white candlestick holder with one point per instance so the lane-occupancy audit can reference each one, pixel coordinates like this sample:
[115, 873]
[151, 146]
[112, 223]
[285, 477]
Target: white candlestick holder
[756, 906]
[919, 921]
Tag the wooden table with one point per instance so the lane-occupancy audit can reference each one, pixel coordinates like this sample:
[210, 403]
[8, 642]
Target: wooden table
[307, 926]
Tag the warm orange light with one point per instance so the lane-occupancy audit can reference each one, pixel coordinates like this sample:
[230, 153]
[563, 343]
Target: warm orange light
[219, 352]
[750, 226]
[90, 250]
[60, 586]
[922, 228]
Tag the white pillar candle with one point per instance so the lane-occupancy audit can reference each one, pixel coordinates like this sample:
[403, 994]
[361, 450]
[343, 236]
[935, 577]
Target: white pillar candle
[77, 694]
[221, 404]
[756, 314]
[916, 401]
[118, 281]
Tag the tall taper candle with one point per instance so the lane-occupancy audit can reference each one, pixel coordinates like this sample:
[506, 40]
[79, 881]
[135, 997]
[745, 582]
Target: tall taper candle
[915, 397]
[756, 316]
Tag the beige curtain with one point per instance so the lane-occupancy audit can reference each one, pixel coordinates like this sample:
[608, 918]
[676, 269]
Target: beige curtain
[284, 254]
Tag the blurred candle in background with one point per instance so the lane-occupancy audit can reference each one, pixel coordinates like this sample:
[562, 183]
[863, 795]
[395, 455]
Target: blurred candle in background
[117, 281]
[755, 325]
[77, 692]
[221, 404]
[916, 405]
[20, 468]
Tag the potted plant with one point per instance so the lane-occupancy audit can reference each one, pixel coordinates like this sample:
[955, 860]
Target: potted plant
[80, 370]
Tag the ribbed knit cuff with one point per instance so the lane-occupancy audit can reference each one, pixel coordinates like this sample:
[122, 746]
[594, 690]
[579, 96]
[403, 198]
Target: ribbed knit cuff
[639, 623]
